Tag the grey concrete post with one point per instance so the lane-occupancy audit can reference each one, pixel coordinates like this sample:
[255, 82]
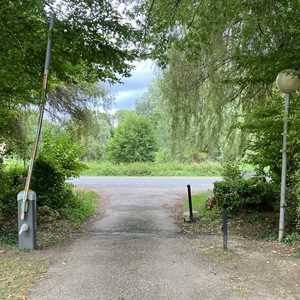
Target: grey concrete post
[28, 225]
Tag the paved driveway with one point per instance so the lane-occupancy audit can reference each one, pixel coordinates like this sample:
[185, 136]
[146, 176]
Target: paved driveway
[135, 249]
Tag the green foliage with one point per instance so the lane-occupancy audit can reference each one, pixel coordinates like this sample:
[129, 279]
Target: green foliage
[82, 206]
[231, 171]
[92, 133]
[133, 140]
[191, 119]
[105, 168]
[83, 47]
[88, 46]
[264, 125]
[57, 162]
[297, 195]
[12, 181]
[49, 184]
[209, 219]
[61, 150]
[292, 238]
[245, 194]
[153, 107]
[235, 43]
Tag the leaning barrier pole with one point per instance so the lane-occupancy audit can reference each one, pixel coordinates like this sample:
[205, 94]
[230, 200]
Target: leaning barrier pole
[27, 219]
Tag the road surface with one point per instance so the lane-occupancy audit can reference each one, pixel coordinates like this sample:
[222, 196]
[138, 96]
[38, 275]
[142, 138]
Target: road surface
[135, 250]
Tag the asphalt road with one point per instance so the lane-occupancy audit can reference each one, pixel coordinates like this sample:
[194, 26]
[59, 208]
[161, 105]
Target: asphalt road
[135, 250]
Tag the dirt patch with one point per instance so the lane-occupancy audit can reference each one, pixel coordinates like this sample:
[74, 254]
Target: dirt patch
[19, 270]
[253, 268]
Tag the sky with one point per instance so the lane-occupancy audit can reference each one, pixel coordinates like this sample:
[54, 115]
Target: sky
[134, 87]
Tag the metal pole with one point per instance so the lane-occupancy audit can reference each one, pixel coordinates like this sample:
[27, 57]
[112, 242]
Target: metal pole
[284, 168]
[225, 228]
[40, 119]
[190, 203]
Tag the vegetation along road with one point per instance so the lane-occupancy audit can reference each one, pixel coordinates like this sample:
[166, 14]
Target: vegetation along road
[134, 249]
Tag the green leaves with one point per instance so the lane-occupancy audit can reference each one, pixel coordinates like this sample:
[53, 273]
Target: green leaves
[61, 151]
[133, 140]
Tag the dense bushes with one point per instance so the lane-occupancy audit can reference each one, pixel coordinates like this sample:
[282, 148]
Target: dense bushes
[58, 161]
[11, 182]
[246, 194]
[238, 194]
[264, 127]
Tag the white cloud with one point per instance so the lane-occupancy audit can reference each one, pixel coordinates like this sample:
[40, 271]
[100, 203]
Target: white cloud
[135, 86]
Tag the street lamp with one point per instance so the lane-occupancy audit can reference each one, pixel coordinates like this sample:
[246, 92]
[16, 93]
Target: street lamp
[288, 82]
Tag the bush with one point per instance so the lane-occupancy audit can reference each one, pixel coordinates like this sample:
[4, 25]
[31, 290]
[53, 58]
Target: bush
[61, 151]
[12, 181]
[245, 194]
[133, 141]
[57, 162]
[49, 184]
[297, 200]
[231, 171]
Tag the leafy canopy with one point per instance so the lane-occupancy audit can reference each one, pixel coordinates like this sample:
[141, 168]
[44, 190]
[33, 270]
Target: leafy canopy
[92, 41]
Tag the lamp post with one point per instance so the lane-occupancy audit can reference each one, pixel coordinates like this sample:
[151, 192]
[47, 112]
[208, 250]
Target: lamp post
[288, 82]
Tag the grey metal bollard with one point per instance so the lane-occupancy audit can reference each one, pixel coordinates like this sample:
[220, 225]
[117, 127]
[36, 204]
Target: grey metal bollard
[28, 226]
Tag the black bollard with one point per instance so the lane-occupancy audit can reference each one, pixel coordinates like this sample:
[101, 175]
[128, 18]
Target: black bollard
[225, 228]
[190, 203]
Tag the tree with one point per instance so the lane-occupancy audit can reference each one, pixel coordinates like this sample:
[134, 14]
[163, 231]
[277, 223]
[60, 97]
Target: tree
[264, 128]
[93, 40]
[93, 133]
[244, 42]
[133, 140]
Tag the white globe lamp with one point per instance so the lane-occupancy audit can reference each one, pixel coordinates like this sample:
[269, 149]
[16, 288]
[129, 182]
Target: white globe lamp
[288, 81]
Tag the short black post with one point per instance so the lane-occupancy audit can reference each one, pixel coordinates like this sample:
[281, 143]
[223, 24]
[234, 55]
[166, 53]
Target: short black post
[190, 203]
[225, 228]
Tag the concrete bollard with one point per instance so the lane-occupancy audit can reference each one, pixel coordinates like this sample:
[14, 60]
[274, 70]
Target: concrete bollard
[28, 226]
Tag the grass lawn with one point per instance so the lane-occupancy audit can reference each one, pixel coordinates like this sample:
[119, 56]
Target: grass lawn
[19, 269]
[106, 168]
[207, 221]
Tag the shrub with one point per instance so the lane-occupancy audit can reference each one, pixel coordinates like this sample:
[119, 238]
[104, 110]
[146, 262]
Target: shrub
[297, 200]
[49, 184]
[62, 152]
[245, 194]
[57, 162]
[12, 181]
[133, 141]
[231, 171]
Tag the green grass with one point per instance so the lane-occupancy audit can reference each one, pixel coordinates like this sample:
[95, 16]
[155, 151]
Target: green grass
[199, 202]
[105, 168]
[85, 205]
[207, 221]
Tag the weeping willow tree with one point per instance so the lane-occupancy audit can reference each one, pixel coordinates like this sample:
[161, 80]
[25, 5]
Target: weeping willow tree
[221, 60]
[246, 42]
[202, 124]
